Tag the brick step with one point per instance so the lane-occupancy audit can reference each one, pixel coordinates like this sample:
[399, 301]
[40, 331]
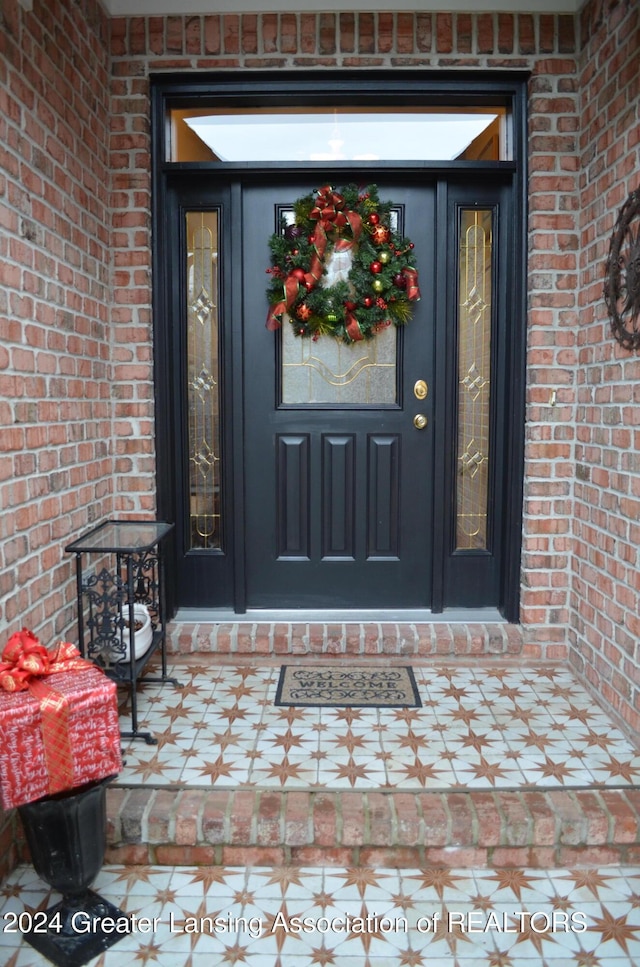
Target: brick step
[364, 638]
[548, 829]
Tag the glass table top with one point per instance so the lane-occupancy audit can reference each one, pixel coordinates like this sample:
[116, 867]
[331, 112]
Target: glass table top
[121, 535]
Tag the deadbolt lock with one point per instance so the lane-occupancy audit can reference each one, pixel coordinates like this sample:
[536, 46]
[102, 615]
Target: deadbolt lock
[420, 390]
[420, 421]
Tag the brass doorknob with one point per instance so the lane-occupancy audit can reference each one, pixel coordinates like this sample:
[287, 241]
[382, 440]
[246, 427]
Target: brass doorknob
[420, 390]
[420, 421]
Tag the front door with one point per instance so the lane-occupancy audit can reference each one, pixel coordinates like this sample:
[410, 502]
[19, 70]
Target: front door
[318, 475]
[338, 448]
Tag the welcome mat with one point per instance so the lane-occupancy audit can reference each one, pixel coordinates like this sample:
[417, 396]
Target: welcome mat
[335, 687]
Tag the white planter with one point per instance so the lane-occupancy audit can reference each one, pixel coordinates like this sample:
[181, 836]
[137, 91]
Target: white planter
[143, 637]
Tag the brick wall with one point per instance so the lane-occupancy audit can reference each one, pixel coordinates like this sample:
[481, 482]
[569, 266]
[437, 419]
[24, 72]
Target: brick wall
[546, 45]
[605, 586]
[56, 462]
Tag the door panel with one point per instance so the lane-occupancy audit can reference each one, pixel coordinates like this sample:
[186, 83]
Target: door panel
[338, 495]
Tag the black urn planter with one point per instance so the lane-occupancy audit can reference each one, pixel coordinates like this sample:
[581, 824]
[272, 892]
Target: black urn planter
[66, 835]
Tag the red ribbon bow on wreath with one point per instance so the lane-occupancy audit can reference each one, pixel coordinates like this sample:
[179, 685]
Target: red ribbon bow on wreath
[328, 210]
[330, 216]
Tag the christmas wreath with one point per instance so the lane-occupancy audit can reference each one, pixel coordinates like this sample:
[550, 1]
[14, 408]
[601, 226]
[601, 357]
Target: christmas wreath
[339, 268]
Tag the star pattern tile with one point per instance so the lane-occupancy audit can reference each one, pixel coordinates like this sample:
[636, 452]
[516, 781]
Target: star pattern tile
[321, 917]
[496, 726]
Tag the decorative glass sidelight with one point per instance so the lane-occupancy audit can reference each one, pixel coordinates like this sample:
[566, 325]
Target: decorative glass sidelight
[474, 377]
[203, 380]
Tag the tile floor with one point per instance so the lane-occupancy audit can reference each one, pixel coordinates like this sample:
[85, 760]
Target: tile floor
[493, 726]
[355, 917]
[496, 726]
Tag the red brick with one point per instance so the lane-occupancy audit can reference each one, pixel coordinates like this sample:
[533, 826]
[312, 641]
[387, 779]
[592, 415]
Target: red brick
[352, 809]
[399, 857]
[323, 856]
[346, 33]
[172, 855]
[129, 855]
[464, 39]
[326, 33]
[215, 816]
[385, 37]
[212, 34]
[444, 33]
[269, 820]
[242, 817]
[324, 819]
[597, 816]
[488, 818]
[457, 856]
[188, 808]
[250, 856]
[509, 857]
[297, 823]
[366, 32]
[409, 824]
[308, 33]
[160, 816]
[231, 33]
[625, 825]
[288, 33]
[380, 819]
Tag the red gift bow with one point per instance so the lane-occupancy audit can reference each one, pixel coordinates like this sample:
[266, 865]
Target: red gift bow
[25, 663]
[25, 658]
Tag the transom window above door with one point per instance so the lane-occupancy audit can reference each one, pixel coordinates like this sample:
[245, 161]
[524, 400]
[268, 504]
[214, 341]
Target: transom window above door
[359, 134]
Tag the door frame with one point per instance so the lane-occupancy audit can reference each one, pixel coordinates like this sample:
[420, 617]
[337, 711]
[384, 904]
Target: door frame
[384, 88]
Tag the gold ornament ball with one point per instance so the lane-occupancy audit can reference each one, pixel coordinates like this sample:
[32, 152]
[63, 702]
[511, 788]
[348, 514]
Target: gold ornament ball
[384, 257]
[378, 285]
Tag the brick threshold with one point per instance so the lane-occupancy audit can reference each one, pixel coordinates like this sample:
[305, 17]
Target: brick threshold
[546, 829]
[356, 638]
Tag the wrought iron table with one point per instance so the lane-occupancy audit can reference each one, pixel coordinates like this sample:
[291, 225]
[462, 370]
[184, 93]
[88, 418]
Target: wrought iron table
[119, 564]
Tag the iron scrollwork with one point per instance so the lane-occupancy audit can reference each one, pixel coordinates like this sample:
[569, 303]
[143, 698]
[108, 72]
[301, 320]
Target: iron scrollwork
[108, 595]
[622, 279]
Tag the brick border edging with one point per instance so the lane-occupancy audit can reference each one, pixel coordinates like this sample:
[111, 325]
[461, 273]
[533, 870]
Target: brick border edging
[468, 829]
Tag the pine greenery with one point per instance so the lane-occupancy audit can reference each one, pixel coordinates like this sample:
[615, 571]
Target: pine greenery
[382, 281]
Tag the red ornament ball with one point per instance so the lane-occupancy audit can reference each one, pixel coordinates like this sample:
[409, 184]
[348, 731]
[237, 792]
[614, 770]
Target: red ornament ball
[367, 301]
[400, 281]
[374, 218]
[298, 274]
[375, 267]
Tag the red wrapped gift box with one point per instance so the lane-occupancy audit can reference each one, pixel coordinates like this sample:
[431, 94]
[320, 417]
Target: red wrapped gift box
[59, 733]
